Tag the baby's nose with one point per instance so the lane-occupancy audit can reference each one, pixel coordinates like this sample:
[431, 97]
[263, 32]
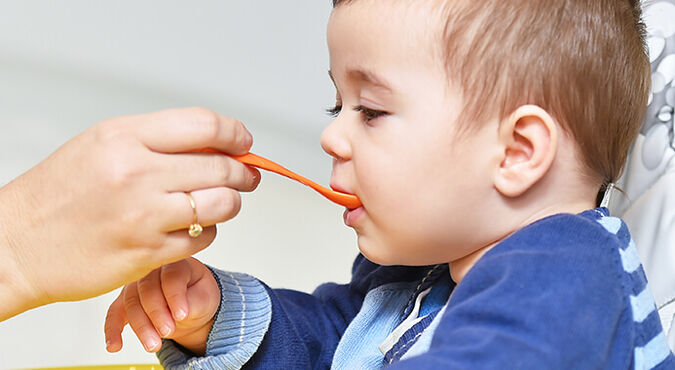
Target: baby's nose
[335, 142]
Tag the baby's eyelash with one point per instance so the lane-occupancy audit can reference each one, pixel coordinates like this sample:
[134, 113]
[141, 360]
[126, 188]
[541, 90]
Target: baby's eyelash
[367, 113]
[335, 111]
[370, 114]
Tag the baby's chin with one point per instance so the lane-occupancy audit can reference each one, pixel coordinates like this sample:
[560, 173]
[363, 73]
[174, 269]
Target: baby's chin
[384, 254]
[375, 252]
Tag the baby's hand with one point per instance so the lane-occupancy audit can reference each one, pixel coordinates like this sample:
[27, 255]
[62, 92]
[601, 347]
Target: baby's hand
[176, 301]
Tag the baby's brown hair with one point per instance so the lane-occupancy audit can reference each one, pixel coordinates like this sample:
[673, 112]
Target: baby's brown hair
[583, 61]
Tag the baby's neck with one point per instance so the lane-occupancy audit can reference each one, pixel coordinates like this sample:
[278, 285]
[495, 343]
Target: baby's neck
[460, 267]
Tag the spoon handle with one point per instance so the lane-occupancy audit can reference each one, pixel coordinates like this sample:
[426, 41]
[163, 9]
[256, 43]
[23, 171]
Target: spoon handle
[347, 200]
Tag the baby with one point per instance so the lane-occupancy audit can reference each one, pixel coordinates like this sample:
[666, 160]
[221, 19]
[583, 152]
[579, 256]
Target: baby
[478, 134]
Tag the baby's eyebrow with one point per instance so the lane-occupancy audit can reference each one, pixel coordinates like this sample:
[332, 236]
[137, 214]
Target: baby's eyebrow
[362, 75]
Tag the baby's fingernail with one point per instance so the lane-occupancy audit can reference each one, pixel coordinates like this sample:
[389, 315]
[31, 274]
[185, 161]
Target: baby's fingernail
[165, 330]
[180, 314]
[151, 344]
[110, 347]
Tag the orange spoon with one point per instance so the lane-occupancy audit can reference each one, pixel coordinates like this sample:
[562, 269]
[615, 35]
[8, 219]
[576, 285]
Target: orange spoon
[347, 200]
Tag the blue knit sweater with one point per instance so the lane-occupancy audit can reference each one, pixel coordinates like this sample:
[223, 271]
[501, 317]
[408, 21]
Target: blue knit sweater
[566, 292]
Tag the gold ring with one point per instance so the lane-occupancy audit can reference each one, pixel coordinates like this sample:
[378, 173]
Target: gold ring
[195, 229]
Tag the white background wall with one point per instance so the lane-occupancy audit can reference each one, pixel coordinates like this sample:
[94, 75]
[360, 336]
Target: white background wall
[69, 64]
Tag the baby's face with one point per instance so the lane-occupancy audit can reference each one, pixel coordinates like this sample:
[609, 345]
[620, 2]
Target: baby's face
[395, 142]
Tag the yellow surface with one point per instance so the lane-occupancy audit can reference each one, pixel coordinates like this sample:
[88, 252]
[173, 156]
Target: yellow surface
[106, 367]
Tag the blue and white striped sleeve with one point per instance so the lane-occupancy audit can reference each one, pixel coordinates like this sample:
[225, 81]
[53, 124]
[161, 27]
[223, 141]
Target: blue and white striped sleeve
[240, 324]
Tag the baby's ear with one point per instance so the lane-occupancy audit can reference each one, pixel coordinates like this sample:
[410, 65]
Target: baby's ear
[529, 138]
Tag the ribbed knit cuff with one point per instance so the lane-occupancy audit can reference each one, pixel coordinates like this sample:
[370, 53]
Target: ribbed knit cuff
[240, 324]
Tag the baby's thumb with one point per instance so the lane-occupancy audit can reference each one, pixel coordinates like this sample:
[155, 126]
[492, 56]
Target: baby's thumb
[203, 298]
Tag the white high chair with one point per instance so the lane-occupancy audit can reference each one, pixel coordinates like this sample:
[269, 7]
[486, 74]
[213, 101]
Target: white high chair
[648, 205]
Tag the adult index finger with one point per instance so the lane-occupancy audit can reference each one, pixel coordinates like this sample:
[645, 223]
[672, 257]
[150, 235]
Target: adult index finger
[187, 129]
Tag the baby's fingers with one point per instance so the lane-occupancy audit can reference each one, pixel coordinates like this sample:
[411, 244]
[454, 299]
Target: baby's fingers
[153, 302]
[175, 278]
[114, 324]
[139, 321]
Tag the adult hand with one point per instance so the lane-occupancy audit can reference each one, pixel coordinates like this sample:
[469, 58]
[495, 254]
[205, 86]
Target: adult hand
[109, 206]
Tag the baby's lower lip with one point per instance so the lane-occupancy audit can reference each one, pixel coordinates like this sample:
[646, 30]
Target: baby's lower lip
[351, 216]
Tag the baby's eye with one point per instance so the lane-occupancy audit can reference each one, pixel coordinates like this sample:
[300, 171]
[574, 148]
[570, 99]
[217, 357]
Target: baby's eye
[369, 114]
[335, 111]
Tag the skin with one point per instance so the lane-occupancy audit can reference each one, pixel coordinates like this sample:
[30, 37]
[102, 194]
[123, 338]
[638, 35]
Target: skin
[177, 301]
[115, 193]
[431, 193]
[407, 160]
